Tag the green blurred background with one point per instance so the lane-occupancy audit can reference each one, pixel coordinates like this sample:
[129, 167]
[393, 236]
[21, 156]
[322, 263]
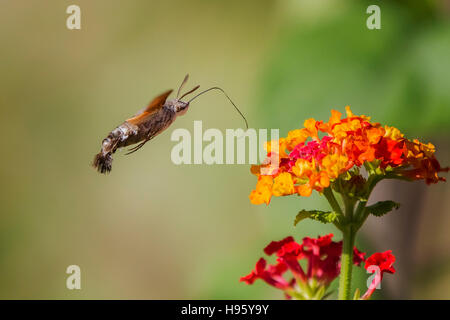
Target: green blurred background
[154, 230]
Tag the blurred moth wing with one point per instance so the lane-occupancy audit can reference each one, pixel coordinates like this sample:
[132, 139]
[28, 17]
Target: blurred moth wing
[146, 118]
[153, 107]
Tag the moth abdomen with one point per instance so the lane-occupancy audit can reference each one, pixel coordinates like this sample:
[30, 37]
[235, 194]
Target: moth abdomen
[103, 162]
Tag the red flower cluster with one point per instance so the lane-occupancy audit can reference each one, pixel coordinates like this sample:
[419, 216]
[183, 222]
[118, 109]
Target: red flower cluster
[322, 256]
[323, 265]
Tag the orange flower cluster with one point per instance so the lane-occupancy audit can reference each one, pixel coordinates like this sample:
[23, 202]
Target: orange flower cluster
[309, 162]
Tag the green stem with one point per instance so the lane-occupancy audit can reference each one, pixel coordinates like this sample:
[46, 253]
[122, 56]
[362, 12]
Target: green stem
[345, 280]
[355, 217]
[360, 210]
[362, 219]
[332, 200]
[328, 193]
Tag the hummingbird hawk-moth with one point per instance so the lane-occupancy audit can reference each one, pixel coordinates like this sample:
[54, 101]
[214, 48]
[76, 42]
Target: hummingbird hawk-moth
[147, 124]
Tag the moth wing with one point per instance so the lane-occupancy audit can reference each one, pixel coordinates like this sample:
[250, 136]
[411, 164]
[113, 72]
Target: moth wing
[153, 107]
[158, 102]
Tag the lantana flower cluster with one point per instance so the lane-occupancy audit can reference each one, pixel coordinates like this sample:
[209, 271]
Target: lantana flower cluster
[331, 157]
[312, 157]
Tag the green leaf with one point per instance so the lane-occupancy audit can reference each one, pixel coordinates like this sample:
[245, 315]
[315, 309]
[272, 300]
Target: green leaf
[301, 216]
[325, 217]
[322, 216]
[382, 207]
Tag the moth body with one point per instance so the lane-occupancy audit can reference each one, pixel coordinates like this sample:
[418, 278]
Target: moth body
[138, 129]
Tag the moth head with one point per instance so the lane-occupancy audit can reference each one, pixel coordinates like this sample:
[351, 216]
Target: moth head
[181, 107]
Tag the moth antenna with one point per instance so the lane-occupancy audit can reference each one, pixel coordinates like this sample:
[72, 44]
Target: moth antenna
[220, 89]
[186, 77]
[189, 92]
